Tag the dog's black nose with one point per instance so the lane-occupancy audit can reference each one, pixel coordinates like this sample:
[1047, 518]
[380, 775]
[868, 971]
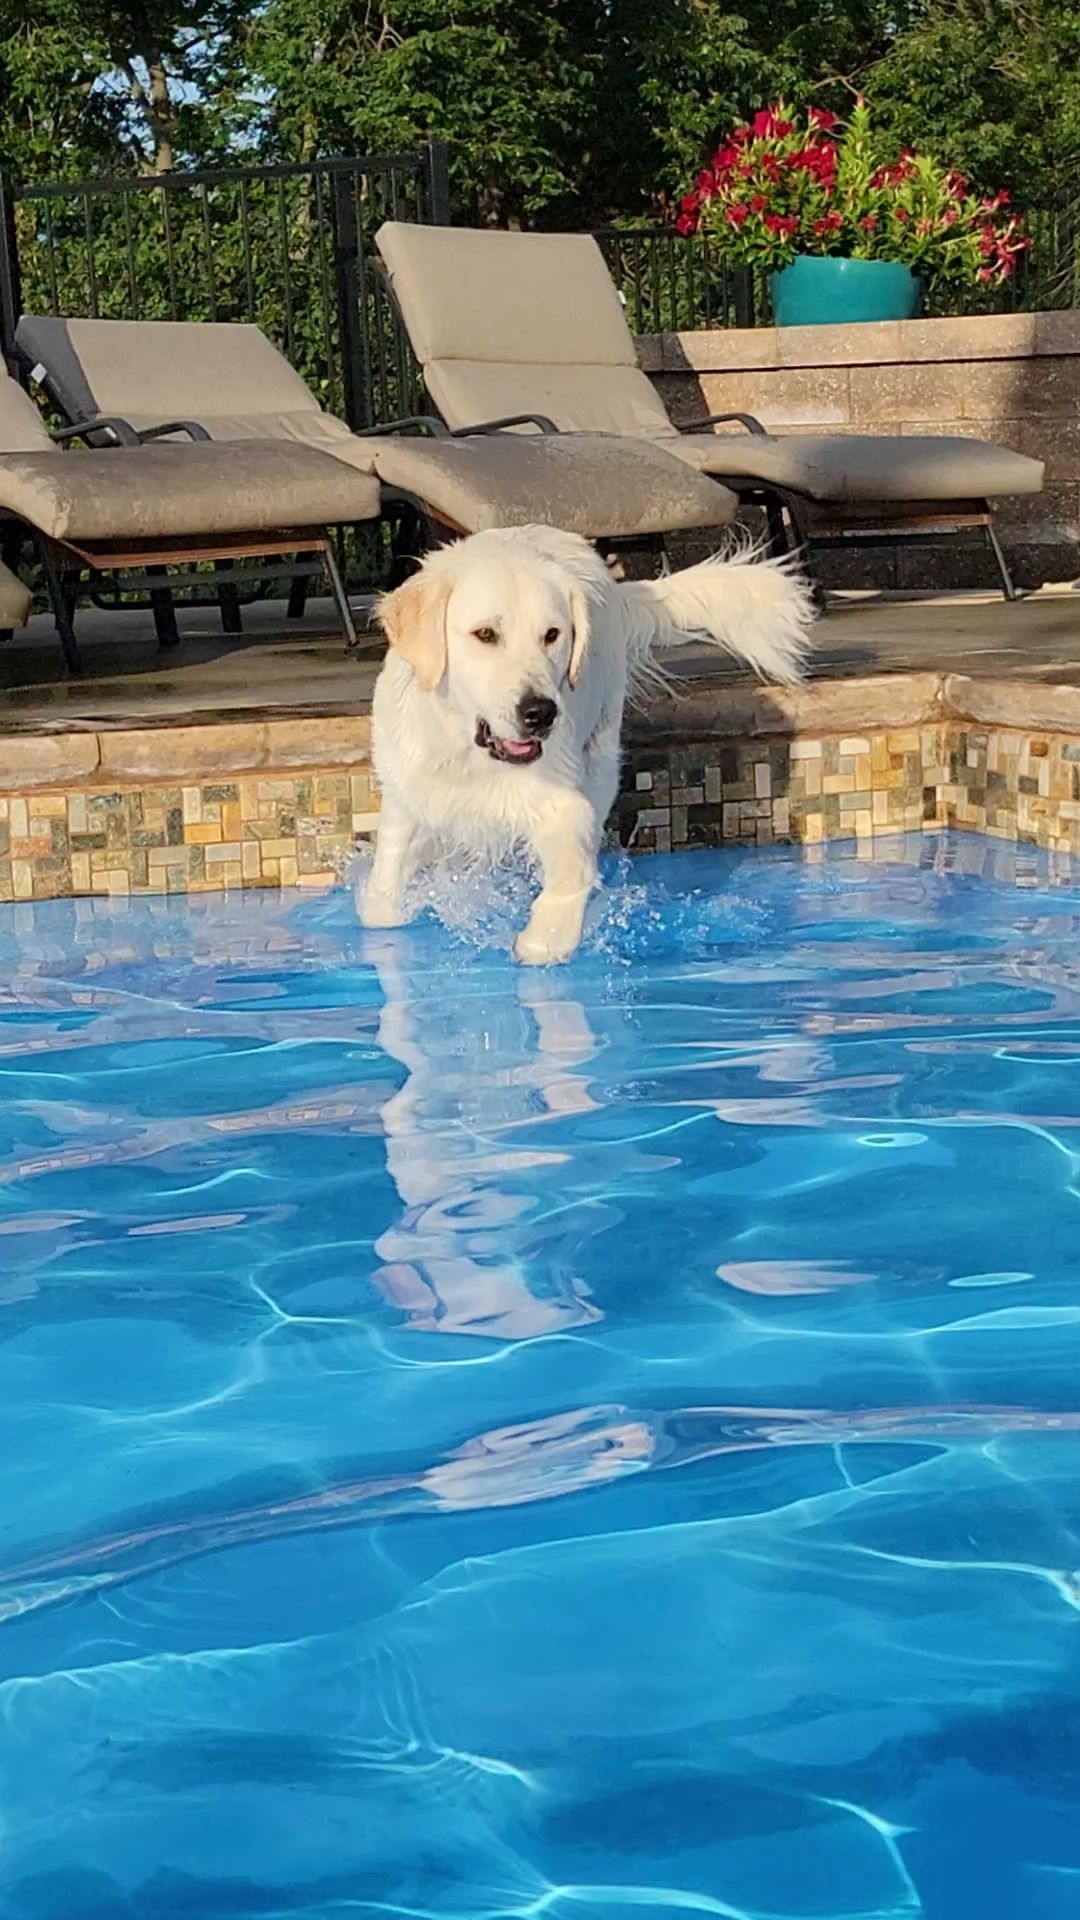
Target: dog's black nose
[536, 715]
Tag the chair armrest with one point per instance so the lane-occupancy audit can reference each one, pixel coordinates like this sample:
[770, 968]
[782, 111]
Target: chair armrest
[191, 427]
[419, 422]
[746, 420]
[511, 420]
[122, 430]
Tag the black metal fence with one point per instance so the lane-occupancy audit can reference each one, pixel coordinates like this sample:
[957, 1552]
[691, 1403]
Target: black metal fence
[288, 247]
[675, 283]
[672, 283]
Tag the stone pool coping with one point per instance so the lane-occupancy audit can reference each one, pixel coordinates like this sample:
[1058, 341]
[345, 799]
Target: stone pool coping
[91, 752]
[250, 799]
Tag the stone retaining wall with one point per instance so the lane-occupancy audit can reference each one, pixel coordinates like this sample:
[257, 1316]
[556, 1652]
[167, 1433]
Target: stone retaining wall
[1013, 378]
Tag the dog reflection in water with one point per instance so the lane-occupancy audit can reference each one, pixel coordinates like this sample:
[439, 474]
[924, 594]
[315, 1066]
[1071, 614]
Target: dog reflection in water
[465, 1141]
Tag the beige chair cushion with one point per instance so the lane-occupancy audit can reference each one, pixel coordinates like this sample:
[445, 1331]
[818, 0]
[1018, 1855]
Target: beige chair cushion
[14, 599]
[471, 294]
[308, 427]
[152, 370]
[586, 483]
[166, 492]
[22, 429]
[835, 468]
[577, 399]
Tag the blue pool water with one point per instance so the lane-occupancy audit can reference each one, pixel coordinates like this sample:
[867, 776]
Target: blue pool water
[482, 1443]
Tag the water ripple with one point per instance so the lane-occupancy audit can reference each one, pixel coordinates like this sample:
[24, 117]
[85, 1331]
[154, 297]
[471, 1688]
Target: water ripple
[478, 1443]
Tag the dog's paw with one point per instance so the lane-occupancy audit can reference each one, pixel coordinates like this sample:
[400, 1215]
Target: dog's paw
[544, 946]
[379, 910]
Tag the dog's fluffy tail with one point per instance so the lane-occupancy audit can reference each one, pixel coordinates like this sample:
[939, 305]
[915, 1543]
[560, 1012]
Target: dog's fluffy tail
[760, 610]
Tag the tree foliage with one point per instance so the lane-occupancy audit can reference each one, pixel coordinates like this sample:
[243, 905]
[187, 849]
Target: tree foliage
[993, 86]
[500, 80]
[88, 86]
[556, 111]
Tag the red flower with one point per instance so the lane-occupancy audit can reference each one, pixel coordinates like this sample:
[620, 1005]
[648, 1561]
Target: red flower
[1006, 266]
[770, 165]
[894, 176]
[902, 214]
[706, 182]
[870, 222]
[737, 214]
[821, 117]
[725, 158]
[759, 203]
[740, 136]
[985, 273]
[950, 216]
[987, 242]
[781, 222]
[766, 125]
[956, 184]
[686, 223]
[994, 206]
[829, 223]
[818, 159]
[690, 202]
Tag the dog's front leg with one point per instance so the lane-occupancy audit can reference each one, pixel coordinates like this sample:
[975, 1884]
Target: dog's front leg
[380, 900]
[565, 842]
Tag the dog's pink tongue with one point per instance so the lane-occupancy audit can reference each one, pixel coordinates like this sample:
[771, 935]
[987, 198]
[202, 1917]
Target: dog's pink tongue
[518, 749]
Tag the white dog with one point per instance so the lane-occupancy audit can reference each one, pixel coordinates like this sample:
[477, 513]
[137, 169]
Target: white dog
[497, 713]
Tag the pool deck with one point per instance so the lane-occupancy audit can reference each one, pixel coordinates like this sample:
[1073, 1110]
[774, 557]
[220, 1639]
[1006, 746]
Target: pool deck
[246, 761]
[289, 668]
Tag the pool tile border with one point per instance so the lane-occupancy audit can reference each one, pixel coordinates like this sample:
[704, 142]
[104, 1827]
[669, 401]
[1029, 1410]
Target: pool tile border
[269, 803]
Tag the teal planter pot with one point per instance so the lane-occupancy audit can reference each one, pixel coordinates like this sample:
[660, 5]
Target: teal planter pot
[817, 291]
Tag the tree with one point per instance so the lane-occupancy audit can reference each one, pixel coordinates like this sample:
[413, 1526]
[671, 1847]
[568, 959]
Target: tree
[91, 87]
[503, 81]
[677, 73]
[572, 112]
[991, 85]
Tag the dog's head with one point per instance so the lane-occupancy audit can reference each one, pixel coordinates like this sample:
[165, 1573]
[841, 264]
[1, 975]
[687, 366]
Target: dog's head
[500, 633]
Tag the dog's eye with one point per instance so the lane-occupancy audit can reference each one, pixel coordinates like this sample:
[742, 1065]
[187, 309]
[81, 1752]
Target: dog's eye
[486, 635]
[551, 636]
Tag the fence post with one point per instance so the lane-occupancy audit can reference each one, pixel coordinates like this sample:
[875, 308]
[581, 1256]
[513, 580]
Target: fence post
[743, 291]
[347, 287]
[437, 171]
[10, 278]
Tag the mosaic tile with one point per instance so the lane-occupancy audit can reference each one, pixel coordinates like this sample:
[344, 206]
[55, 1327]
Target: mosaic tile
[297, 828]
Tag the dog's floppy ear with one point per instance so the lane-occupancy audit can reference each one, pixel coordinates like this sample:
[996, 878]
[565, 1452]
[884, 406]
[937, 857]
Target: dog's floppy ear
[413, 619]
[579, 614]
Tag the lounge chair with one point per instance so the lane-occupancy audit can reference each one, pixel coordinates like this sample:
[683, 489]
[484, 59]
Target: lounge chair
[148, 508]
[227, 382]
[507, 322]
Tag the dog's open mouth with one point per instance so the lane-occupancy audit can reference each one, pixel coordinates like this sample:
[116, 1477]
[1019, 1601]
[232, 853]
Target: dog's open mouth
[518, 753]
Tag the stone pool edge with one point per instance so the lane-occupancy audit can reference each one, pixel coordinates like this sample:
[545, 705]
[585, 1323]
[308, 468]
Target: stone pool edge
[265, 801]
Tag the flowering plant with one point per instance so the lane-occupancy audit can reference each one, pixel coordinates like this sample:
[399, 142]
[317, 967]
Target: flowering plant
[803, 182]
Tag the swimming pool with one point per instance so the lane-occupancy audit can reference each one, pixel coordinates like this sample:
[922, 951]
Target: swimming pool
[480, 1442]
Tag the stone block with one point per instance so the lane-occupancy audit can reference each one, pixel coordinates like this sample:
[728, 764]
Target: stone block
[150, 753]
[29, 760]
[887, 396]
